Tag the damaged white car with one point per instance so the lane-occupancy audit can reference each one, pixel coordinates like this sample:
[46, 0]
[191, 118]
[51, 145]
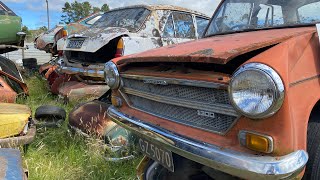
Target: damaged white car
[122, 32]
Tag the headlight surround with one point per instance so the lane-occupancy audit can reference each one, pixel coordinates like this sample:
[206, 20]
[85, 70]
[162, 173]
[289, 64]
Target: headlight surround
[256, 91]
[111, 75]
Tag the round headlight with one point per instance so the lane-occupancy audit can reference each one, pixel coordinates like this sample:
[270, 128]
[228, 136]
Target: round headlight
[256, 91]
[111, 75]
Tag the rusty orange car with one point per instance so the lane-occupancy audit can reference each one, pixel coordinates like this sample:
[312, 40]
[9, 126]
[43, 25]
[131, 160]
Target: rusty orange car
[242, 102]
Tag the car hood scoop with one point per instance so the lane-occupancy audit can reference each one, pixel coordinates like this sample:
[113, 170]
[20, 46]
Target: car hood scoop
[218, 49]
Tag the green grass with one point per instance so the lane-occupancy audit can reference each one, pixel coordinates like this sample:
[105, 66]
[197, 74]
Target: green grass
[61, 154]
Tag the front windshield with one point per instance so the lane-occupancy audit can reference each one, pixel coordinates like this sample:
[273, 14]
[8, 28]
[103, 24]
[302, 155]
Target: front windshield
[243, 15]
[130, 19]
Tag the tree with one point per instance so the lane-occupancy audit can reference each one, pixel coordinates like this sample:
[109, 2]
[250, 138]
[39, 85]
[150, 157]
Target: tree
[25, 29]
[43, 28]
[105, 8]
[78, 10]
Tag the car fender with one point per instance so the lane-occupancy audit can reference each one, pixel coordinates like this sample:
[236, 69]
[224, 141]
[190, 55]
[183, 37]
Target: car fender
[137, 44]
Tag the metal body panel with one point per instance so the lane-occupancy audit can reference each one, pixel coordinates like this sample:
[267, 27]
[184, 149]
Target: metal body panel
[13, 119]
[11, 165]
[95, 38]
[247, 166]
[7, 94]
[75, 90]
[217, 49]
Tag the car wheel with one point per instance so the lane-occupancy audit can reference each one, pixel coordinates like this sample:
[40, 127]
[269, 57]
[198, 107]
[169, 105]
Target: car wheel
[313, 148]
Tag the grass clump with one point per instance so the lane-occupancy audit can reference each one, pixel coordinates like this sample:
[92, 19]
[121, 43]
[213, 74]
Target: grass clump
[60, 154]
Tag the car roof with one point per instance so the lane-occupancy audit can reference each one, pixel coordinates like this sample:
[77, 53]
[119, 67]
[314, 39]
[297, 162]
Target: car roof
[163, 7]
[6, 8]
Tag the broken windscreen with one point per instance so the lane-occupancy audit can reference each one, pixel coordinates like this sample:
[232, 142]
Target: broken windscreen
[245, 15]
[130, 19]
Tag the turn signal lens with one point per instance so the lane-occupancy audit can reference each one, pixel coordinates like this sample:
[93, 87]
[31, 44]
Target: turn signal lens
[120, 47]
[64, 33]
[116, 101]
[256, 142]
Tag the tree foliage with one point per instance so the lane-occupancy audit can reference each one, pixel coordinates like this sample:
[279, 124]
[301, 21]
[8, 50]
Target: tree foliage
[105, 8]
[75, 11]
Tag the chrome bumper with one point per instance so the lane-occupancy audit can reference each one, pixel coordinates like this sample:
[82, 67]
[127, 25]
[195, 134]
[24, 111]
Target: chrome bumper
[82, 71]
[242, 165]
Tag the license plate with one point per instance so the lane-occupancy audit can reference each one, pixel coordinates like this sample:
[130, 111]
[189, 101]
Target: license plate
[75, 43]
[159, 154]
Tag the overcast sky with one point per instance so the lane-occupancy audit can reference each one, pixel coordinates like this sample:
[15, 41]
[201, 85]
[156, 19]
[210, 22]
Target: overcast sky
[33, 12]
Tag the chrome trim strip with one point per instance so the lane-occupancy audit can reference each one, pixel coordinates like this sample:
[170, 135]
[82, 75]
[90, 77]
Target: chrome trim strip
[184, 82]
[216, 108]
[247, 166]
[84, 72]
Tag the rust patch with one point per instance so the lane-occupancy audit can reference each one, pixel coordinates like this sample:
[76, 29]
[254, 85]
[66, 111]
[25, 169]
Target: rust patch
[205, 52]
[91, 118]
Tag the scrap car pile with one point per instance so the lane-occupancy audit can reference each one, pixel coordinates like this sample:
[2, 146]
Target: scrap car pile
[238, 98]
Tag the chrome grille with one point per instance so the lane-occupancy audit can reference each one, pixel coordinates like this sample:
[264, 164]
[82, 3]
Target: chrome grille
[178, 91]
[187, 116]
[200, 107]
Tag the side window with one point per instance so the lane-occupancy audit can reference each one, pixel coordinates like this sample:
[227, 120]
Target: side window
[168, 31]
[309, 13]
[2, 11]
[93, 20]
[184, 26]
[201, 25]
[268, 15]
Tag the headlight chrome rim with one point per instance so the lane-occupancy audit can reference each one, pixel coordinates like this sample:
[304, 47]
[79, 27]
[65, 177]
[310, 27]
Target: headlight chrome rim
[278, 95]
[111, 66]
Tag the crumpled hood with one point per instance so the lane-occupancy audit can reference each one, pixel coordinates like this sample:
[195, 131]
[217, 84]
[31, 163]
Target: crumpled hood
[95, 38]
[218, 49]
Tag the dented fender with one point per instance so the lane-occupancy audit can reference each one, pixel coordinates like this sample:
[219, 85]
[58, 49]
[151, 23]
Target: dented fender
[95, 38]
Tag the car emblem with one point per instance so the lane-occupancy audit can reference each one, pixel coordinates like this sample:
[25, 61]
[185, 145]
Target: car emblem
[157, 82]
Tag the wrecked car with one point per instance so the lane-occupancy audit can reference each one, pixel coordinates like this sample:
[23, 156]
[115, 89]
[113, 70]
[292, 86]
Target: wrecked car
[11, 37]
[90, 119]
[117, 33]
[241, 102]
[12, 84]
[48, 40]
[45, 40]
[16, 125]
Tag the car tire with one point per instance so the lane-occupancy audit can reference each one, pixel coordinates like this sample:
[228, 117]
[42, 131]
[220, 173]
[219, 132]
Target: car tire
[30, 63]
[313, 148]
[52, 112]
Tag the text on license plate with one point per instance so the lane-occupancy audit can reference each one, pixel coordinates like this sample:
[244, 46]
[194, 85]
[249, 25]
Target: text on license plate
[159, 154]
[75, 43]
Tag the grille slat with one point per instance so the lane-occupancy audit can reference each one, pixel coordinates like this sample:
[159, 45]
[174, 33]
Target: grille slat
[185, 92]
[217, 122]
